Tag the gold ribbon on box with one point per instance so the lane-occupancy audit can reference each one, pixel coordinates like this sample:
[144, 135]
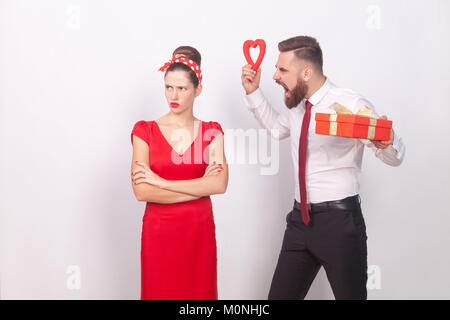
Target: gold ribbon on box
[365, 111]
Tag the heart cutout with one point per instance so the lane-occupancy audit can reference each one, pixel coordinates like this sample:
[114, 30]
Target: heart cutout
[262, 51]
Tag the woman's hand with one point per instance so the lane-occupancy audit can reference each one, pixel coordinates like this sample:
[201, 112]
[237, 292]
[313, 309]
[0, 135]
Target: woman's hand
[213, 169]
[144, 174]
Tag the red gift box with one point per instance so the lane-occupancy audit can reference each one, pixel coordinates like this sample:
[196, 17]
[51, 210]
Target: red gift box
[353, 126]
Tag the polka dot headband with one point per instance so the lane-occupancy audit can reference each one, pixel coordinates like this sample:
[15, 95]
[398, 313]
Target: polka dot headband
[182, 59]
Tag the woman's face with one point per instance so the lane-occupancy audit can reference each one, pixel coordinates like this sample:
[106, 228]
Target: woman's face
[180, 91]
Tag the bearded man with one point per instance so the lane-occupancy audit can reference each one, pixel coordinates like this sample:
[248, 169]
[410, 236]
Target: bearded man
[326, 226]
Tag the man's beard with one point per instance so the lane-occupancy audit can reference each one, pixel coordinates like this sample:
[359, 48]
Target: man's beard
[296, 95]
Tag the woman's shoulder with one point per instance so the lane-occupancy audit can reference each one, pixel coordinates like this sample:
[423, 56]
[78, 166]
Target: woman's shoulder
[213, 125]
[144, 124]
[141, 124]
[140, 129]
[212, 129]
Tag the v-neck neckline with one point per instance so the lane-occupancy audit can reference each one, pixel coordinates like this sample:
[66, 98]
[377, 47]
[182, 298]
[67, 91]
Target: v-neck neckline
[167, 141]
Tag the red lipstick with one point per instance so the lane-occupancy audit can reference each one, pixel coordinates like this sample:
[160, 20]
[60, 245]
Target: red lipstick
[174, 105]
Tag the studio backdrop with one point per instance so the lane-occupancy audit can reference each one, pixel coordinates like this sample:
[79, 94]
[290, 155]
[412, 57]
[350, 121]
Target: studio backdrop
[76, 75]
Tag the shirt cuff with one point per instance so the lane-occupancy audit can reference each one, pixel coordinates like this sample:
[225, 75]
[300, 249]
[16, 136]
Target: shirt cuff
[254, 99]
[396, 143]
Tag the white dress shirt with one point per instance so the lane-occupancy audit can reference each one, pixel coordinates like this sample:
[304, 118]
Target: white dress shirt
[333, 164]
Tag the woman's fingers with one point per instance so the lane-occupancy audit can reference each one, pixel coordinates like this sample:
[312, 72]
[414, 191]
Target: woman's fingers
[140, 180]
[139, 175]
[214, 170]
[143, 180]
[208, 169]
[143, 168]
[137, 170]
[143, 165]
[211, 168]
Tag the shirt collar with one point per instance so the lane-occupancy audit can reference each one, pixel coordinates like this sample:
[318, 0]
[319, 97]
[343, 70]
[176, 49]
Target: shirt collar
[319, 94]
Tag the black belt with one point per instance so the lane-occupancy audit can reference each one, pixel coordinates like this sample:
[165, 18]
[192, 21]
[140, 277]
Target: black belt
[348, 203]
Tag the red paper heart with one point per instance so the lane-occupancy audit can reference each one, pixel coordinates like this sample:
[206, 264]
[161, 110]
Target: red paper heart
[262, 51]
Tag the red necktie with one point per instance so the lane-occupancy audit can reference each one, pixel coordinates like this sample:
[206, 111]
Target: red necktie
[302, 163]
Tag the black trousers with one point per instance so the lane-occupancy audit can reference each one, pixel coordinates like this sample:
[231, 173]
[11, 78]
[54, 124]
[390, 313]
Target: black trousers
[335, 239]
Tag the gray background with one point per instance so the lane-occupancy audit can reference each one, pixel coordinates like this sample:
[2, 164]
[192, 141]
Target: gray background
[76, 75]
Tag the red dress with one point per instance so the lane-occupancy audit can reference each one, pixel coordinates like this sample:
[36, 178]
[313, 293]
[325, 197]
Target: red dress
[178, 243]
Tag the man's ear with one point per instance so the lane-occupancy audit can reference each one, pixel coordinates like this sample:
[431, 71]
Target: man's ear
[198, 90]
[307, 72]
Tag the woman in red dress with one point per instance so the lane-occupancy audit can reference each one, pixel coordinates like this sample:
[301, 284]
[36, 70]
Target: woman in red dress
[178, 162]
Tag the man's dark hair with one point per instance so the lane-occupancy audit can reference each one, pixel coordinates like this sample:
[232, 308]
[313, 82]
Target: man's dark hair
[305, 48]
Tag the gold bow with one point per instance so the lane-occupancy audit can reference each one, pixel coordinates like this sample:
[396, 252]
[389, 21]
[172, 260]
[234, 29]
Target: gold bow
[365, 111]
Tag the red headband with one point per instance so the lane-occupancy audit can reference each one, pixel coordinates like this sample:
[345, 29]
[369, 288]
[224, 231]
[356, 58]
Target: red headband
[182, 59]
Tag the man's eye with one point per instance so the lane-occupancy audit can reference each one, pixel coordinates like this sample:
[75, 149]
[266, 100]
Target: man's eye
[183, 89]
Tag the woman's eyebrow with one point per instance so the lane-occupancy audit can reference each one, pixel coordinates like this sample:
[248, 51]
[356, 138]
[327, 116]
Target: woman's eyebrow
[177, 86]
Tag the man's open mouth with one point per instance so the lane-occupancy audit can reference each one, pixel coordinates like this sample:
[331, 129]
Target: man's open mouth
[286, 90]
